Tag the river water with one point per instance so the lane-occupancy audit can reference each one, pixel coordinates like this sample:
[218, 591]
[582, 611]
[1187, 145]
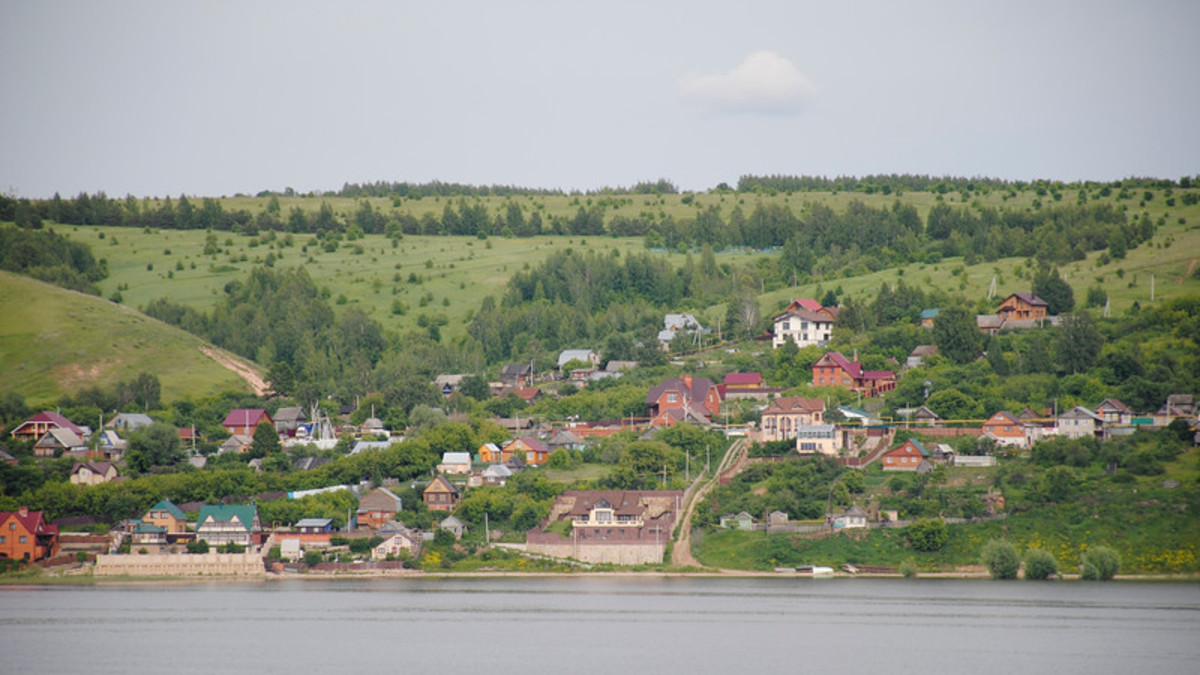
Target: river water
[605, 625]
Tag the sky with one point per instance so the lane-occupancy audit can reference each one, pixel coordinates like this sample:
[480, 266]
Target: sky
[218, 98]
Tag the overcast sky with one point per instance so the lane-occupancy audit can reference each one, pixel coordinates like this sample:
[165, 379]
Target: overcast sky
[163, 98]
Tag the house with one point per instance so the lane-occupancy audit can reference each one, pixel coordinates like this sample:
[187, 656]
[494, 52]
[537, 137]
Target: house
[35, 427]
[143, 534]
[852, 518]
[245, 421]
[696, 396]
[781, 418]
[921, 416]
[746, 386]
[288, 419]
[59, 440]
[927, 317]
[942, 454]
[453, 526]
[835, 370]
[397, 540]
[564, 439]
[111, 445]
[623, 527]
[446, 385]
[440, 495]
[25, 535]
[1023, 306]
[1078, 422]
[377, 507]
[1114, 412]
[531, 450]
[777, 518]
[674, 324]
[515, 373]
[455, 463]
[8, 459]
[1007, 430]
[93, 473]
[582, 355]
[738, 521]
[314, 526]
[528, 394]
[822, 439]
[801, 326]
[310, 463]
[989, 324]
[228, 524]
[906, 457]
[166, 515]
[237, 443]
[496, 474]
[130, 421]
[490, 453]
[919, 354]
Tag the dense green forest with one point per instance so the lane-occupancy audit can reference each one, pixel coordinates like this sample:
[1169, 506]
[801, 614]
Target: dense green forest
[49, 257]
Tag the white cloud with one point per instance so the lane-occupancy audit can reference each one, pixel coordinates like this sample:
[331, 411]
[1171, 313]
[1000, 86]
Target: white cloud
[764, 82]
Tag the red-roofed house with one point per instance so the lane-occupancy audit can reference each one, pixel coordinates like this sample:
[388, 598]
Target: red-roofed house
[835, 370]
[1023, 306]
[696, 396]
[245, 421]
[35, 427]
[25, 535]
[785, 414]
[743, 381]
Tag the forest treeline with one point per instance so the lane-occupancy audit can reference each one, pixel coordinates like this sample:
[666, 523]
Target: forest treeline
[49, 257]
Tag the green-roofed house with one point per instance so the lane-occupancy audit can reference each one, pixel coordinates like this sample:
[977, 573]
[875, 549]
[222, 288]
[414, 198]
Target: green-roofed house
[147, 534]
[224, 524]
[906, 457]
[167, 516]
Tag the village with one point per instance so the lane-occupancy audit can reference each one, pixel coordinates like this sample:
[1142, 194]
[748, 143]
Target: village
[584, 527]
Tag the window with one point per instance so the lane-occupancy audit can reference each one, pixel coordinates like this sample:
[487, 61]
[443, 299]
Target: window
[672, 398]
[24, 539]
[3, 539]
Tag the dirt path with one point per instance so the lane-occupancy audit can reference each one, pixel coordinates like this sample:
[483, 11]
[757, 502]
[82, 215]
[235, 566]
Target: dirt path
[239, 367]
[681, 552]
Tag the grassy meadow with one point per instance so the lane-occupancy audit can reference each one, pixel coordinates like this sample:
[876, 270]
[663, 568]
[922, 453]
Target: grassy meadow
[53, 341]
[438, 275]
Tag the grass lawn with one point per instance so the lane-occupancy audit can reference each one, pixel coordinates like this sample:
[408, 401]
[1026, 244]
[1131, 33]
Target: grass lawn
[53, 341]
[581, 472]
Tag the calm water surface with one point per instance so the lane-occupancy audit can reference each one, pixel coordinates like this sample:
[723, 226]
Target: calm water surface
[614, 626]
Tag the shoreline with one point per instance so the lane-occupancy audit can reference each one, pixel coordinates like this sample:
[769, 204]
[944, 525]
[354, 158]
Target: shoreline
[91, 580]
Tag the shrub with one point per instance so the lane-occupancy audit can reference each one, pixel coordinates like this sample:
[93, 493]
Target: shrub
[909, 569]
[312, 558]
[1001, 559]
[1100, 564]
[1040, 564]
[928, 535]
[197, 546]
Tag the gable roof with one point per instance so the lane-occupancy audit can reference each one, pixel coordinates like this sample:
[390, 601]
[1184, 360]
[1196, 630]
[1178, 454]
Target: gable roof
[244, 514]
[34, 522]
[569, 355]
[1112, 404]
[1080, 412]
[99, 468]
[1029, 299]
[515, 371]
[131, 421]
[53, 417]
[289, 414]
[60, 436]
[805, 303]
[743, 378]
[244, 417]
[916, 445]
[440, 484]
[497, 471]
[794, 404]
[531, 443]
[802, 314]
[169, 507]
[380, 499]
[456, 458]
[697, 393]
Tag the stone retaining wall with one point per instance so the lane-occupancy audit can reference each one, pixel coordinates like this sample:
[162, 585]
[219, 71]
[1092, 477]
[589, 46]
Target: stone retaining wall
[181, 565]
[617, 554]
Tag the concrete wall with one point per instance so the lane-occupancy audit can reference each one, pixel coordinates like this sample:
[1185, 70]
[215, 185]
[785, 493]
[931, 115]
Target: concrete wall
[617, 554]
[181, 565]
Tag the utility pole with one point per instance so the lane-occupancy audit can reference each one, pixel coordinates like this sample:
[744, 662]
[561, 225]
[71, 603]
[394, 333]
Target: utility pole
[487, 535]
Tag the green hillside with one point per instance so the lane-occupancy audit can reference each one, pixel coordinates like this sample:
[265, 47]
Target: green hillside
[53, 341]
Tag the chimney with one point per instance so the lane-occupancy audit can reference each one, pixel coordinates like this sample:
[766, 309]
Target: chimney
[687, 382]
[24, 511]
[856, 354]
